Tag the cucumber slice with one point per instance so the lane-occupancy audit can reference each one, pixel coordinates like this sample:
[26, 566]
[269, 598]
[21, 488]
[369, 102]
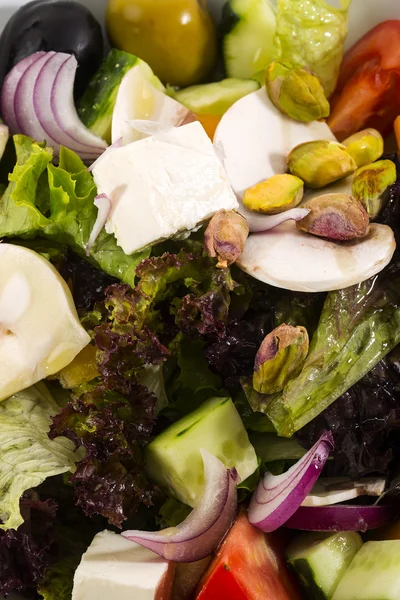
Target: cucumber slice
[215, 98]
[248, 43]
[174, 460]
[374, 574]
[321, 559]
[96, 106]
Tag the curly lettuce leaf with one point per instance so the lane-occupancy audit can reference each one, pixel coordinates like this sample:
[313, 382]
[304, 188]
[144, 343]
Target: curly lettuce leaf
[56, 202]
[27, 456]
[27, 552]
[312, 33]
[359, 326]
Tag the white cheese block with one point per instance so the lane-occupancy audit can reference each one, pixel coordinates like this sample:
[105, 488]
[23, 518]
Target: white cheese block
[113, 568]
[257, 138]
[162, 185]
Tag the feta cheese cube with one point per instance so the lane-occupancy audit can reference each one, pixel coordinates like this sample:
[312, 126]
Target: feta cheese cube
[115, 568]
[162, 185]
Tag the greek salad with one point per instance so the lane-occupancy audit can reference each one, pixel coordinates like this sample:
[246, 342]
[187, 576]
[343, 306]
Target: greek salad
[199, 303]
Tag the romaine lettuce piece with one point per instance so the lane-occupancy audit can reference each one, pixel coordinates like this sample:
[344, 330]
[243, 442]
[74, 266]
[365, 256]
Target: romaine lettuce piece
[312, 33]
[27, 456]
[56, 202]
[358, 327]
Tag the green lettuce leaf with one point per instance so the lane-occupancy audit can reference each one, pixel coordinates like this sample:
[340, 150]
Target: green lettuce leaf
[56, 202]
[27, 455]
[358, 327]
[312, 33]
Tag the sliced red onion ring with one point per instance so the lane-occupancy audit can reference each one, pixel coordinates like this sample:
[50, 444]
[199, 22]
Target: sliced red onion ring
[259, 223]
[341, 517]
[277, 498]
[10, 87]
[42, 101]
[103, 204]
[201, 532]
[37, 100]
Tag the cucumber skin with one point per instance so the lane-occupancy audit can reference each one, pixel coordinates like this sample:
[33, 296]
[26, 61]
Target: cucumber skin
[96, 106]
[97, 103]
[305, 575]
[311, 554]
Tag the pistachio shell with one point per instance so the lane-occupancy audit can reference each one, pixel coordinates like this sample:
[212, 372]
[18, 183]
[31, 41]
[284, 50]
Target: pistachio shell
[320, 163]
[335, 217]
[226, 236]
[365, 146]
[296, 92]
[280, 358]
[371, 182]
[274, 195]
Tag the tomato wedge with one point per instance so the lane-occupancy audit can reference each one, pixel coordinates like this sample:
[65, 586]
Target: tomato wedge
[368, 89]
[249, 565]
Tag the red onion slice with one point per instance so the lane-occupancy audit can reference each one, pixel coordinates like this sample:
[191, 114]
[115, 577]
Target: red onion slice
[64, 111]
[201, 532]
[37, 100]
[10, 87]
[42, 95]
[277, 498]
[26, 117]
[341, 517]
[259, 223]
[104, 207]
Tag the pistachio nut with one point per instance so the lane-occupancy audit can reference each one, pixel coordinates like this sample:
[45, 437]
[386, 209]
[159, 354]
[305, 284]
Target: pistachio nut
[226, 236]
[280, 358]
[336, 217]
[275, 195]
[370, 184]
[296, 92]
[365, 146]
[320, 163]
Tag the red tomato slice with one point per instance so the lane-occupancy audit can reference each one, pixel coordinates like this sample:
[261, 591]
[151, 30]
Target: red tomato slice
[249, 565]
[368, 89]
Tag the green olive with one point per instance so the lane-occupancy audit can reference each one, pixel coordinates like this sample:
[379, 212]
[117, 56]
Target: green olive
[177, 38]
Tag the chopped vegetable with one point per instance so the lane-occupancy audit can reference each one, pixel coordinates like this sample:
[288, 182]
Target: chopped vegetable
[368, 86]
[359, 325]
[96, 106]
[215, 98]
[37, 101]
[203, 530]
[373, 573]
[321, 559]
[341, 517]
[278, 497]
[235, 573]
[174, 459]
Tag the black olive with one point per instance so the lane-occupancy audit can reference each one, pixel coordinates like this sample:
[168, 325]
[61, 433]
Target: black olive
[58, 25]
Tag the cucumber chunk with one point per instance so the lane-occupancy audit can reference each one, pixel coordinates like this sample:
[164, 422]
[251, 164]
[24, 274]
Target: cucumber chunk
[174, 460]
[215, 98]
[248, 43]
[96, 106]
[321, 559]
[374, 573]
